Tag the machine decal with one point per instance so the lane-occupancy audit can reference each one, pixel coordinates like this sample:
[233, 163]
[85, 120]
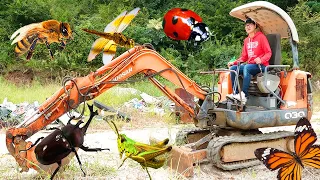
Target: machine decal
[122, 74]
[295, 114]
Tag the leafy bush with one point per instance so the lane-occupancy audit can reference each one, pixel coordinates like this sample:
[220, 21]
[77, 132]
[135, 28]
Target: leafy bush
[226, 42]
[308, 27]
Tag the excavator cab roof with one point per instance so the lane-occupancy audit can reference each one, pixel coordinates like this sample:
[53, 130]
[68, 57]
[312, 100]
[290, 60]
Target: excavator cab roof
[271, 18]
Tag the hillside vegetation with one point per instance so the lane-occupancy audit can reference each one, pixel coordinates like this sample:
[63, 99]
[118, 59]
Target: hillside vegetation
[226, 42]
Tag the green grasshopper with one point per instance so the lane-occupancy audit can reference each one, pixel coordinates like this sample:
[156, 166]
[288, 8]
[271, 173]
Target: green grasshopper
[146, 155]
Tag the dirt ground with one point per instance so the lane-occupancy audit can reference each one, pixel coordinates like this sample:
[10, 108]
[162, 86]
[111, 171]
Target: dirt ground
[104, 165]
[18, 77]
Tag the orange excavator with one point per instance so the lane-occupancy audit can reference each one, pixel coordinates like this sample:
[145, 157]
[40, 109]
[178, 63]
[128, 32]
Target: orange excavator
[224, 128]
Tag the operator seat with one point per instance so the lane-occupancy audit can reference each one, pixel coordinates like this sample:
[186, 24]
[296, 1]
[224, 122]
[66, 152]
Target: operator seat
[275, 45]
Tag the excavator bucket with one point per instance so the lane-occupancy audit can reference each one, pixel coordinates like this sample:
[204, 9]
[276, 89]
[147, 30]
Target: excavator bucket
[223, 149]
[184, 158]
[184, 115]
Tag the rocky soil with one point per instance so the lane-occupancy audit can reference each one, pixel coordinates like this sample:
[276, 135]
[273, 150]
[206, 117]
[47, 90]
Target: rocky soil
[104, 165]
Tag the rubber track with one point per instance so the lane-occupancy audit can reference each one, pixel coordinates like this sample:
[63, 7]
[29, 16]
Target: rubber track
[216, 144]
[181, 136]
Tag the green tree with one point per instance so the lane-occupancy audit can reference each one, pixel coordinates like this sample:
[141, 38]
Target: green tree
[308, 26]
[226, 42]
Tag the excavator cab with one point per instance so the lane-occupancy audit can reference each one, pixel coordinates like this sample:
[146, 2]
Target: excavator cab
[264, 88]
[277, 97]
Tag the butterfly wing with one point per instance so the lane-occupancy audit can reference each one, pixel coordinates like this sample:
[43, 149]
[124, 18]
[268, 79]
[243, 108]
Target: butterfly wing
[312, 157]
[290, 167]
[305, 137]
[290, 172]
[276, 159]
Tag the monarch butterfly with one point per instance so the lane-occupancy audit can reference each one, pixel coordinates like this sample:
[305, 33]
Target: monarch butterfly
[290, 164]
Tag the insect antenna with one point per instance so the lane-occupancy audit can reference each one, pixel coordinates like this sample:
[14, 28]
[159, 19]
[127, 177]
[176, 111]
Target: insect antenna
[113, 127]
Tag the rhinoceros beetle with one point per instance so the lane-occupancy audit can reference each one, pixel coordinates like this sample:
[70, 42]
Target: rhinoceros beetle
[60, 143]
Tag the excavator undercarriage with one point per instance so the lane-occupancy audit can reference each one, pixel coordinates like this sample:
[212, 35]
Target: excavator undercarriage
[227, 149]
[229, 132]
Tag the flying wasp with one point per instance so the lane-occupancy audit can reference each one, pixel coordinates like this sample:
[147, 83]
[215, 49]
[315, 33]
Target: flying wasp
[112, 37]
[45, 32]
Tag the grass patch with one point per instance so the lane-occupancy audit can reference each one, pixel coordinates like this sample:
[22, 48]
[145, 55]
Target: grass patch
[35, 92]
[94, 165]
[114, 97]
[38, 92]
[316, 101]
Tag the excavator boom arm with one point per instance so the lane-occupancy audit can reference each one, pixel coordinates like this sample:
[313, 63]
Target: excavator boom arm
[75, 91]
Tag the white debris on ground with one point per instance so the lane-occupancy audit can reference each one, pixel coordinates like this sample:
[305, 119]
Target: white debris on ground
[157, 105]
[12, 114]
[64, 119]
[122, 90]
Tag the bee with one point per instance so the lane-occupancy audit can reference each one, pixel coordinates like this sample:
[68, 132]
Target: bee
[112, 37]
[45, 32]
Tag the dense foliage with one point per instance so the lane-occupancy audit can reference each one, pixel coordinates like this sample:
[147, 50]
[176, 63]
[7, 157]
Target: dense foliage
[226, 42]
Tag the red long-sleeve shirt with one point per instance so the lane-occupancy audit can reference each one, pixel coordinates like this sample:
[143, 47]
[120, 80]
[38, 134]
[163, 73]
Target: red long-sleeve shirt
[258, 46]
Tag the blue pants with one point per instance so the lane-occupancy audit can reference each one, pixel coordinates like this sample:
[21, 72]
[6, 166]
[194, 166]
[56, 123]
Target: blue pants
[247, 70]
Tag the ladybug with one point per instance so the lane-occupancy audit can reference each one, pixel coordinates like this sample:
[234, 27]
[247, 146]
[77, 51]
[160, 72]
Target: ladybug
[184, 24]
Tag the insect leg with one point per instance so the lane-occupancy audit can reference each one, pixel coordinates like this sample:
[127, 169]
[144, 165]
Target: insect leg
[53, 128]
[71, 118]
[92, 149]
[148, 172]
[32, 144]
[161, 143]
[75, 152]
[151, 155]
[33, 45]
[155, 163]
[142, 162]
[48, 46]
[62, 45]
[124, 160]
[55, 171]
